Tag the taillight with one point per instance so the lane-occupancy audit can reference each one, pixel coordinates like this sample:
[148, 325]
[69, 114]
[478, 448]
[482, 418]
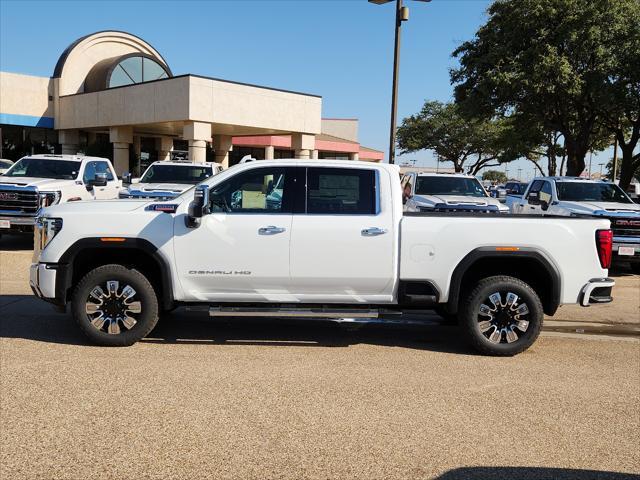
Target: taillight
[604, 243]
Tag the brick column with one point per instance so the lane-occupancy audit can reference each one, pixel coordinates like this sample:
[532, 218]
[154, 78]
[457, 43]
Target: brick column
[121, 137]
[69, 140]
[269, 152]
[164, 145]
[197, 134]
[222, 144]
[302, 144]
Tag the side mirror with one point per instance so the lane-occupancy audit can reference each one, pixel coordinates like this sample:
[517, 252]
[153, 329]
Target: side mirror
[199, 207]
[544, 205]
[126, 178]
[534, 198]
[100, 180]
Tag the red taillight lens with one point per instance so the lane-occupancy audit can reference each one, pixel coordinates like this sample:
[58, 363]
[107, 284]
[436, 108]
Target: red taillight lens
[604, 242]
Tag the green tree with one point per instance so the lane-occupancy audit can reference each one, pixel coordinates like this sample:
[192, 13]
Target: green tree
[495, 176]
[470, 144]
[546, 63]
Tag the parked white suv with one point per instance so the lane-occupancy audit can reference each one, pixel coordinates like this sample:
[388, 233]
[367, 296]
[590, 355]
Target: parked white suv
[164, 179]
[446, 192]
[573, 196]
[307, 239]
[38, 181]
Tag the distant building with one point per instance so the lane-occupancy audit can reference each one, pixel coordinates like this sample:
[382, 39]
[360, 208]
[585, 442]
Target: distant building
[112, 94]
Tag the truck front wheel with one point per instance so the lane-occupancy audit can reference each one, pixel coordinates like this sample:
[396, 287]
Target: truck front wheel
[115, 306]
[502, 316]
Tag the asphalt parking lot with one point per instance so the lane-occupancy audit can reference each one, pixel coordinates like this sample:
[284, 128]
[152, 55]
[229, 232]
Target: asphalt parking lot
[274, 399]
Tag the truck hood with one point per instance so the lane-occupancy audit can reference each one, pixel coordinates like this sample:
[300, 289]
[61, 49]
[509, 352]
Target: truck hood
[40, 183]
[431, 200]
[160, 187]
[601, 208]
[98, 207]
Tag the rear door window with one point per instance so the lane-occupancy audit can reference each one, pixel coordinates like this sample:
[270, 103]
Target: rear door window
[341, 191]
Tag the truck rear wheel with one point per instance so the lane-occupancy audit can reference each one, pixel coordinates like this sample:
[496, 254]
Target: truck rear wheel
[115, 306]
[502, 316]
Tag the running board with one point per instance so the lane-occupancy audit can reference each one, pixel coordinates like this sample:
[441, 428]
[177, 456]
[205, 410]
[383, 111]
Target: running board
[292, 312]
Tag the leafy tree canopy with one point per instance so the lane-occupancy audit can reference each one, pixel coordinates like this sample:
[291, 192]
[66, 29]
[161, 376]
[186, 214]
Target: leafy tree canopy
[495, 176]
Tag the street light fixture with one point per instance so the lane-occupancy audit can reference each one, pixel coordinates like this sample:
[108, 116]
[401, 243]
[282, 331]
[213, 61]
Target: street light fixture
[402, 14]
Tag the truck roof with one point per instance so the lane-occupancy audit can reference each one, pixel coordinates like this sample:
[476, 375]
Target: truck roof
[77, 158]
[571, 179]
[184, 163]
[439, 174]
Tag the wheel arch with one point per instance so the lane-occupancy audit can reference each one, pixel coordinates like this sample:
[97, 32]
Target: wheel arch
[530, 265]
[89, 253]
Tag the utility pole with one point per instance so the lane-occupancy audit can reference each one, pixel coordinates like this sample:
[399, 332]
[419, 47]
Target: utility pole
[590, 159]
[519, 174]
[614, 170]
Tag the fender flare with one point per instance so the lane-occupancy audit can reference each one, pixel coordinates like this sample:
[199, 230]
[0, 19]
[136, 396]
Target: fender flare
[534, 254]
[64, 275]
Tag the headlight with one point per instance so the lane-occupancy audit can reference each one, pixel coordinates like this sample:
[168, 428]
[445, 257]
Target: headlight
[46, 229]
[49, 198]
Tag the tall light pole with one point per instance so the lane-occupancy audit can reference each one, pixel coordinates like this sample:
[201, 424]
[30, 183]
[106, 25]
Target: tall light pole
[402, 14]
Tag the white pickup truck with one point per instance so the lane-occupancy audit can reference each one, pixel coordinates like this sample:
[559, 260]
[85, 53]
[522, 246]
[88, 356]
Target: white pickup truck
[308, 239]
[167, 179]
[572, 196]
[39, 181]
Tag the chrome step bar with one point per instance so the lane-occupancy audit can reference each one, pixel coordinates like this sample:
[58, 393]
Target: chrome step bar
[292, 312]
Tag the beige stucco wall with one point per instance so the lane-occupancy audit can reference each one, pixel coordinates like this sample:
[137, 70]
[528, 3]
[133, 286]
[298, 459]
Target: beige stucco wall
[94, 49]
[341, 128]
[233, 109]
[25, 95]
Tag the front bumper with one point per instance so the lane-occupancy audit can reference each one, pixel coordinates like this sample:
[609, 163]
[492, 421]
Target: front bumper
[42, 279]
[17, 224]
[633, 242]
[598, 290]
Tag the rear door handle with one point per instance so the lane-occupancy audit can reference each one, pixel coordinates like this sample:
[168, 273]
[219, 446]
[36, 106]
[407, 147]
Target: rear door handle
[373, 231]
[270, 230]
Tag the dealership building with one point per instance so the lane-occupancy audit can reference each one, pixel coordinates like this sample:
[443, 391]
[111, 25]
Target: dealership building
[112, 94]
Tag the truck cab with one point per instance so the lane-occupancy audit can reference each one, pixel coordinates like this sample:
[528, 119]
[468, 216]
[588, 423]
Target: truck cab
[39, 181]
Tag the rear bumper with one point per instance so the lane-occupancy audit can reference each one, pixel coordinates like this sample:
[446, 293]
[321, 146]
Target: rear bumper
[597, 290]
[626, 242]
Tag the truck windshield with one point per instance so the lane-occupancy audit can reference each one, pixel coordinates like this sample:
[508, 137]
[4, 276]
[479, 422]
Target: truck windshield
[176, 174]
[591, 192]
[446, 185]
[45, 168]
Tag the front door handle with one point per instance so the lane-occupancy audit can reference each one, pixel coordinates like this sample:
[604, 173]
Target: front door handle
[373, 231]
[270, 230]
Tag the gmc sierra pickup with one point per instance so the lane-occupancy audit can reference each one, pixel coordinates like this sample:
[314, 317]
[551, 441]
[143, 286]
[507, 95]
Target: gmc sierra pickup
[307, 239]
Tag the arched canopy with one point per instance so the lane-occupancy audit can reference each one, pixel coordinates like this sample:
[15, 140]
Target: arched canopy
[96, 59]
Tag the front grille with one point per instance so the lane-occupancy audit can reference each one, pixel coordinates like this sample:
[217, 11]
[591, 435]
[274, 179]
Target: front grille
[19, 201]
[625, 227]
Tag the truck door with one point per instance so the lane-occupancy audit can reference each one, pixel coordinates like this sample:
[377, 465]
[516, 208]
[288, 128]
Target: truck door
[343, 245]
[240, 251]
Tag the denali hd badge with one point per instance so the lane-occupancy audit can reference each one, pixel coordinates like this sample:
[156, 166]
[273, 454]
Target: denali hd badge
[219, 272]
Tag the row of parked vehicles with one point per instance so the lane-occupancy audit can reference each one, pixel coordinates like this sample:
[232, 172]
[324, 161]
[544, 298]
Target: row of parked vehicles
[302, 238]
[548, 196]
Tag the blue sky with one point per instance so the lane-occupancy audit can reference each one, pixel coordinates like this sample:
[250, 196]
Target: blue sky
[340, 49]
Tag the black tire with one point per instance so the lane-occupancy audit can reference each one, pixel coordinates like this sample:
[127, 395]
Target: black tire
[504, 316]
[145, 320]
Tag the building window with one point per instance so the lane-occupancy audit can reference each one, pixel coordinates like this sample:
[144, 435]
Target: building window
[135, 69]
[333, 156]
[239, 152]
[278, 153]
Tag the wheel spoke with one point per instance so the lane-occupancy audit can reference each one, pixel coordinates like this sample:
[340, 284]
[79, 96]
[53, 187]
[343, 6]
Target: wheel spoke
[97, 293]
[496, 336]
[91, 308]
[511, 335]
[485, 326]
[512, 298]
[134, 307]
[98, 322]
[496, 299]
[522, 325]
[113, 328]
[486, 310]
[522, 309]
[112, 287]
[128, 292]
[129, 322]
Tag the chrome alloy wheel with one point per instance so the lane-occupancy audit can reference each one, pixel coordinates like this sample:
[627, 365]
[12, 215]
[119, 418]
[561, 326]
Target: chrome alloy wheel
[110, 308]
[503, 322]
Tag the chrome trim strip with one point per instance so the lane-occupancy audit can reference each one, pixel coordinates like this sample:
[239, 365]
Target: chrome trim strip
[288, 312]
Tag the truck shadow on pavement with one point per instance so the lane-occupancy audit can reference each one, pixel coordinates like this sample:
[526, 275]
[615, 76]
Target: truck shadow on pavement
[23, 316]
[532, 473]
